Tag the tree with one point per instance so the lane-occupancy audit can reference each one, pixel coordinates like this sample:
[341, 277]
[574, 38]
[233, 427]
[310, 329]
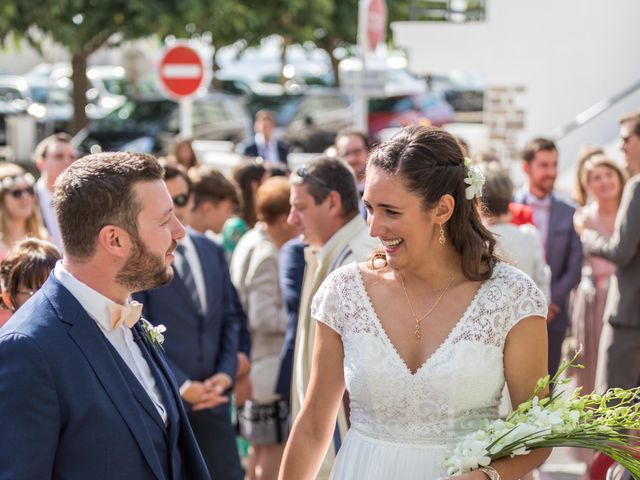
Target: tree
[224, 21]
[344, 27]
[343, 31]
[296, 21]
[82, 27]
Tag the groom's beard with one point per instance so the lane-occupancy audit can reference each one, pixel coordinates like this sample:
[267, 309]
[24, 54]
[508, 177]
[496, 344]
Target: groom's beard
[143, 269]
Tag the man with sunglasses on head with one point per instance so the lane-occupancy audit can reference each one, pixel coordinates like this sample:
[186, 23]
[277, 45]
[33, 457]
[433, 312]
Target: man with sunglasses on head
[199, 310]
[52, 156]
[324, 206]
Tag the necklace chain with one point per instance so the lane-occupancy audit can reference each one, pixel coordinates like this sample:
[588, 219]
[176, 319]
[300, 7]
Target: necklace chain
[417, 331]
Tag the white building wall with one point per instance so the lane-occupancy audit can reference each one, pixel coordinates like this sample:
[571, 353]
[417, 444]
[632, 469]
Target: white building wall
[569, 54]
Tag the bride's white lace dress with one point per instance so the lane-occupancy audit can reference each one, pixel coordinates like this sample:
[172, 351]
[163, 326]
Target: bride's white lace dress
[402, 423]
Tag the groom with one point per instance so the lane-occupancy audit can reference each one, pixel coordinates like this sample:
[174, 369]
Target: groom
[85, 391]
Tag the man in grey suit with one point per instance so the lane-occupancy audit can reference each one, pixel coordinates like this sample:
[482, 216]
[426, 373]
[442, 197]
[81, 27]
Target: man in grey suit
[554, 219]
[619, 355]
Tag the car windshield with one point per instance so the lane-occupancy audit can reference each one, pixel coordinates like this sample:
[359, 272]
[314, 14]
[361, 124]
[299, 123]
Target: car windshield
[39, 94]
[116, 86]
[136, 115]
[391, 104]
[284, 106]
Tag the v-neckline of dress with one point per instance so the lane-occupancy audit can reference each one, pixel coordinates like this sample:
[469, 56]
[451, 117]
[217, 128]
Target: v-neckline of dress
[439, 348]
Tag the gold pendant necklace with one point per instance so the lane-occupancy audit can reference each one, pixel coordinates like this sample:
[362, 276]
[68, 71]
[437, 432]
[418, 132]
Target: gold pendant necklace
[417, 331]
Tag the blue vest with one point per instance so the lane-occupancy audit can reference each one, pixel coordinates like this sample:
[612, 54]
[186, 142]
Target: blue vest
[164, 439]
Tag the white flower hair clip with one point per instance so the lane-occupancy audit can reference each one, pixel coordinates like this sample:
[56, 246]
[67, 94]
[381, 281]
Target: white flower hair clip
[475, 179]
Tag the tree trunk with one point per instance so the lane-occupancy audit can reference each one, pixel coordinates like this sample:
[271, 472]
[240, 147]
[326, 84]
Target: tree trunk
[334, 64]
[215, 68]
[328, 44]
[80, 86]
[283, 58]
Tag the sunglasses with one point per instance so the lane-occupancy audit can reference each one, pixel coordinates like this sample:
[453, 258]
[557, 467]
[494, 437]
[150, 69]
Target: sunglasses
[304, 174]
[20, 192]
[181, 200]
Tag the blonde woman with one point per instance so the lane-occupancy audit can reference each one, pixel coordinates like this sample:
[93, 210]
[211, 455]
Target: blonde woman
[19, 216]
[602, 180]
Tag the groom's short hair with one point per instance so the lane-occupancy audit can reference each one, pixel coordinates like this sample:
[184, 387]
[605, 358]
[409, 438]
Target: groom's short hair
[96, 191]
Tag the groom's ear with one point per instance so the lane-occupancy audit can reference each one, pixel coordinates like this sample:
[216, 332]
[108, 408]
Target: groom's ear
[114, 240]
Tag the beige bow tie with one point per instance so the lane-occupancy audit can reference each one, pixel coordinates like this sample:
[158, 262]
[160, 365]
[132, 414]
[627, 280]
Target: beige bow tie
[124, 314]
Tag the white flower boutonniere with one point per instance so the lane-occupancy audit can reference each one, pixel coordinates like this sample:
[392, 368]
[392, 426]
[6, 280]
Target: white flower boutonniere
[155, 333]
[475, 180]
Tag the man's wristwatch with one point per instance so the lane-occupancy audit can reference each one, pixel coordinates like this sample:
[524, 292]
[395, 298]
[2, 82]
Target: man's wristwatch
[490, 472]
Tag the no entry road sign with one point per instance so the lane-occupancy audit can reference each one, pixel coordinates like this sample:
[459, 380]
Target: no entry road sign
[181, 71]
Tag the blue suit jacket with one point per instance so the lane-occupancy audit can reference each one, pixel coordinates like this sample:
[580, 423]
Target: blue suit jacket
[198, 346]
[66, 410]
[564, 255]
[251, 150]
[291, 276]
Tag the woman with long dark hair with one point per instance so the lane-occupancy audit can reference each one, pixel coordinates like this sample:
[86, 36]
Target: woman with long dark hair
[423, 336]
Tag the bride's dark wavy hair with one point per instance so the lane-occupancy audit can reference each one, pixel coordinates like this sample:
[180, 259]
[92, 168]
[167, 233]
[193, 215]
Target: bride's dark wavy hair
[431, 164]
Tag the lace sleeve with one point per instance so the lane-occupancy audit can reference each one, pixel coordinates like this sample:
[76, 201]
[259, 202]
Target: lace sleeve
[325, 306]
[527, 299]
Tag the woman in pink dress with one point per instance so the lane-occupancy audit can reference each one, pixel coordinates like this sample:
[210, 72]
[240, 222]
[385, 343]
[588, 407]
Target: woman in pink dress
[602, 180]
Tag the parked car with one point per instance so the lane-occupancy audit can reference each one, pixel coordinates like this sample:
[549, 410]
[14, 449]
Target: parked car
[149, 124]
[398, 112]
[308, 119]
[463, 90]
[15, 98]
[51, 89]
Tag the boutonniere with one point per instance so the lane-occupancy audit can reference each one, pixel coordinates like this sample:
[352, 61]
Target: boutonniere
[154, 333]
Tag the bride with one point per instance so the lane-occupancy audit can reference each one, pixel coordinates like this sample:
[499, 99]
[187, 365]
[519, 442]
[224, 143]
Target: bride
[423, 336]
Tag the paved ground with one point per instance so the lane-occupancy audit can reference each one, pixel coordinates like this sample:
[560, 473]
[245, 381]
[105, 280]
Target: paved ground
[562, 466]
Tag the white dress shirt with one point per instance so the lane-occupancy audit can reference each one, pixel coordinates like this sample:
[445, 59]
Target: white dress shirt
[97, 306]
[191, 256]
[267, 150]
[540, 208]
[45, 199]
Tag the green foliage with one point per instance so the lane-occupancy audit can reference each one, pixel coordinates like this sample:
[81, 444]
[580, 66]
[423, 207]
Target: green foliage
[82, 26]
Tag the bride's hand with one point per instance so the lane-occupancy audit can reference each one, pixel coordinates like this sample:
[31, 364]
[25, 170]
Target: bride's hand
[475, 475]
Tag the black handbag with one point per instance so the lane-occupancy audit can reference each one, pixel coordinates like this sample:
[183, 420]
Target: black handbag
[264, 423]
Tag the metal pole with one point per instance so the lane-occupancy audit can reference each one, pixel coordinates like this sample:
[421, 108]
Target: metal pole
[186, 117]
[361, 104]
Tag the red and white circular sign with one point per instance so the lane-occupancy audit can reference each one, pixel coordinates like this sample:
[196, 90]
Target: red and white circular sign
[181, 71]
[376, 22]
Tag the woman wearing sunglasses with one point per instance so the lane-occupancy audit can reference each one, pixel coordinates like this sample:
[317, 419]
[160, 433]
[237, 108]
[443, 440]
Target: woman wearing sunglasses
[19, 215]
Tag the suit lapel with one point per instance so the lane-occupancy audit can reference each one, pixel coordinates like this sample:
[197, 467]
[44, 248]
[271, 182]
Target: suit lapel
[207, 273]
[137, 390]
[161, 372]
[87, 336]
[181, 290]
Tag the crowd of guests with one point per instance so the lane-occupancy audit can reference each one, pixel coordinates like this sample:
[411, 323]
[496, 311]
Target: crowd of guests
[260, 241]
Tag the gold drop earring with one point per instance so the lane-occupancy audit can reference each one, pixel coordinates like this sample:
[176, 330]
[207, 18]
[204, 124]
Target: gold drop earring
[442, 238]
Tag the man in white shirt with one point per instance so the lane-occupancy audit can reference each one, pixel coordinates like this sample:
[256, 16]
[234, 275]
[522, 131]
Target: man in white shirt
[265, 144]
[85, 390]
[52, 156]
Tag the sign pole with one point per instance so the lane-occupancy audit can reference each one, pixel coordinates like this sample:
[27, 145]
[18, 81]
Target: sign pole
[361, 105]
[186, 117]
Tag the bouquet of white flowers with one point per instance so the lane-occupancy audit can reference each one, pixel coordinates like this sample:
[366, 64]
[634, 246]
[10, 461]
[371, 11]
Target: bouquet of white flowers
[597, 422]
